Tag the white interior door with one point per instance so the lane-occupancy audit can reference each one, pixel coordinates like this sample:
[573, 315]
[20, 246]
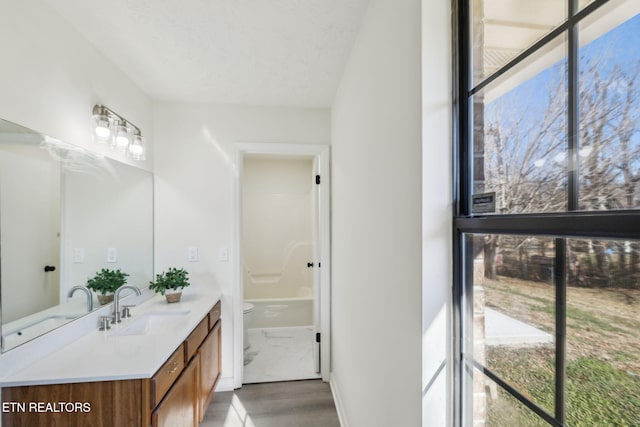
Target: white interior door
[29, 194]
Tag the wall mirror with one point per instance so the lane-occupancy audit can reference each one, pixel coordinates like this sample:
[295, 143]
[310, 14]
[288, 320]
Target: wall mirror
[65, 213]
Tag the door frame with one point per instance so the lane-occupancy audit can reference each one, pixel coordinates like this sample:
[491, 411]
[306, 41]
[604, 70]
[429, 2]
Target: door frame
[320, 152]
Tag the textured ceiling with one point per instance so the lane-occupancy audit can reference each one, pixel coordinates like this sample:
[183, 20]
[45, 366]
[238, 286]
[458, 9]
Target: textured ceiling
[256, 52]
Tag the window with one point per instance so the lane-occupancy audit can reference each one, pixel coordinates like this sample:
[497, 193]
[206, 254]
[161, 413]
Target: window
[547, 285]
[520, 135]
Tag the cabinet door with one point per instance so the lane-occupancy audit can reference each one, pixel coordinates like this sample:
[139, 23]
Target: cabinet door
[209, 368]
[102, 404]
[179, 407]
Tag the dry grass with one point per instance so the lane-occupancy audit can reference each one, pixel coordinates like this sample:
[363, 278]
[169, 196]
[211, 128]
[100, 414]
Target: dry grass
[602, 354]
[601, 323]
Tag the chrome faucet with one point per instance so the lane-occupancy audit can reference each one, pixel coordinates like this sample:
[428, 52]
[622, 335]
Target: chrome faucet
[86, 291]
[116, 301]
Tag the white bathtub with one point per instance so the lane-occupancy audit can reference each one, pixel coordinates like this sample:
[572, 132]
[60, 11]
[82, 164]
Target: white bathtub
[281, 312]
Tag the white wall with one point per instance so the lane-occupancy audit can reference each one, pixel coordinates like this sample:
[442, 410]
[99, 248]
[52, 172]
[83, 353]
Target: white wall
[376, 222]
[51, 78]
[195, 187]
[436, 212]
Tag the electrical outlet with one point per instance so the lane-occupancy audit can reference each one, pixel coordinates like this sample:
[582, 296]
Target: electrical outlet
[78, 255]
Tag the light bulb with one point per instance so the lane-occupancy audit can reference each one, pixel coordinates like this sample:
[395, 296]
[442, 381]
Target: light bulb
[121, 135]
[103, 132]
[103, 124]
[122, 140]
[136, 149]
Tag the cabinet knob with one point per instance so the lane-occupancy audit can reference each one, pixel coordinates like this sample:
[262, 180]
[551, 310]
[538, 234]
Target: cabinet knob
[174, 368]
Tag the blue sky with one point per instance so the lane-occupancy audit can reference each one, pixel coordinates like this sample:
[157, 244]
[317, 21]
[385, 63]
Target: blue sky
[528, 102]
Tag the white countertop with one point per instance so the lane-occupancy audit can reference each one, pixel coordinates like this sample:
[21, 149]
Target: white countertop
[105, 355]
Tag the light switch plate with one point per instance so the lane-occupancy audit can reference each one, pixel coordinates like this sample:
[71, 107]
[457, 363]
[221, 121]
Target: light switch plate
[192, 253]
[223, 254]
[112, 255]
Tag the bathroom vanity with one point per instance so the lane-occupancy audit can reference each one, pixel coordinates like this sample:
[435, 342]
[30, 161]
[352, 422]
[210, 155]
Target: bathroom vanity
[157, 368]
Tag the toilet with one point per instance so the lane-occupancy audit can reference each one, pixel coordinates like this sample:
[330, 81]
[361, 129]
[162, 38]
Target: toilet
[247, 314]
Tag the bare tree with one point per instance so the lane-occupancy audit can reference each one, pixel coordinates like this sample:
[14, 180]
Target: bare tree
[609, 115]
[526, 151]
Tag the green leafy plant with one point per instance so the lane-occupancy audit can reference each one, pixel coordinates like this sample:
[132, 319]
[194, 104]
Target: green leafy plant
[107, 281]
[173, 279]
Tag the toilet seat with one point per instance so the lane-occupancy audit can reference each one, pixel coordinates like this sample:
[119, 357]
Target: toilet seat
[247, 314]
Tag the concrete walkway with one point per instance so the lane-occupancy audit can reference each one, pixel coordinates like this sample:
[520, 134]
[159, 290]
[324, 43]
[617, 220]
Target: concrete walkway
[501, 329]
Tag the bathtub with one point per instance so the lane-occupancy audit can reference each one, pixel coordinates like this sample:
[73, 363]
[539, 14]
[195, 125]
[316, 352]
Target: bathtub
[281, 312]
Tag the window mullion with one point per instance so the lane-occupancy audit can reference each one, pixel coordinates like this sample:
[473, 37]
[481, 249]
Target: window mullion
[463, 166]
[573, 110]
[561, 327]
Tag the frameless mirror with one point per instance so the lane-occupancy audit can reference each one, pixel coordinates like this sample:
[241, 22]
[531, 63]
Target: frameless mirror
[65, 213]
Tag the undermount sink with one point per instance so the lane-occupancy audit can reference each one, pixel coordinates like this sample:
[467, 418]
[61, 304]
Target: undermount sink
[36, 328]
[152, 321]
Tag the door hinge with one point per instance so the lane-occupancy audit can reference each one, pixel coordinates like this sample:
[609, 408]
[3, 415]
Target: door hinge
[317, 179]
[317, 336]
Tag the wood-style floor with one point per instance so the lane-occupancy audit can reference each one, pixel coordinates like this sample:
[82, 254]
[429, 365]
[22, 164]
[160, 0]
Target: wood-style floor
[306, 403]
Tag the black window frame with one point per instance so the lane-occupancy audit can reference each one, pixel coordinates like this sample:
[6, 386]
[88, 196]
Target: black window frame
[620, 224]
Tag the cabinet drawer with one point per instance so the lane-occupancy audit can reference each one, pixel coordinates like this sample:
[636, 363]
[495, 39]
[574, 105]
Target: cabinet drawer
[166, 375]
[196, 337]
[214, 315]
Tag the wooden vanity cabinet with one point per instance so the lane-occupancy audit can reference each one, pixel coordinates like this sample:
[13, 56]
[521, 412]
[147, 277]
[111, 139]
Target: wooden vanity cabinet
[214, 315]
[179, 408]
[187, 401]
[209, 357]
[112, 403]
[177, 395]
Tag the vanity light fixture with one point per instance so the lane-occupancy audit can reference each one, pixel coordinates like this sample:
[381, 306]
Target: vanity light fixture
[123, 135]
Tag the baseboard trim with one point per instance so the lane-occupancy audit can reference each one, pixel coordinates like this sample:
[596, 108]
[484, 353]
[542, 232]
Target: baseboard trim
[338, 401]
[225, 384]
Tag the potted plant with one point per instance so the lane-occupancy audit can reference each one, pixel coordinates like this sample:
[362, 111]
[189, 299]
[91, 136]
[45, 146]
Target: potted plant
[105, 283]
[171, 283]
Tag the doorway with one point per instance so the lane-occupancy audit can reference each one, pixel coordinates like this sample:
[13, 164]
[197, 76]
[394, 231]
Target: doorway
[283, 268]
